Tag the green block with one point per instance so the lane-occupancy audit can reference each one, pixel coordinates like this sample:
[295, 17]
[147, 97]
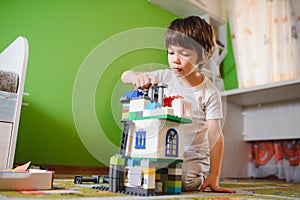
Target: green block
[132, 116]
[165, 187]
[115, 160]
[173, 183]
[169, 185]
[167, 117]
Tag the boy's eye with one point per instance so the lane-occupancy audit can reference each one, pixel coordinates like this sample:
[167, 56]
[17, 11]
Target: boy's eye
[170, 52]
[185, 54]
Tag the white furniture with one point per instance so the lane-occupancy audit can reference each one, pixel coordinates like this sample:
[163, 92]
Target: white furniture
[216, 9]
[265, 112]
[12, 59]
[212, 10]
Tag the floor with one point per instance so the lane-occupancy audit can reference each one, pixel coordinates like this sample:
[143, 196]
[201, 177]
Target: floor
[64, 188]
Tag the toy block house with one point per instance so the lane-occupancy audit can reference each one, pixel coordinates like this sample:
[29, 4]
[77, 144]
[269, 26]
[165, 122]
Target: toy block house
[152, 142]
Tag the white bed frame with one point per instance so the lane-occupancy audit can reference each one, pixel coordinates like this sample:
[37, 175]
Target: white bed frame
[13, 59]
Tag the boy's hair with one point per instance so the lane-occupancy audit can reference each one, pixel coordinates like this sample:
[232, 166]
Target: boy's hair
[192, 33]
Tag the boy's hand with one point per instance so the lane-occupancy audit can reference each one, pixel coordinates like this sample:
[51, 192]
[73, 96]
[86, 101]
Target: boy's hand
[144, 81]
[213, 183]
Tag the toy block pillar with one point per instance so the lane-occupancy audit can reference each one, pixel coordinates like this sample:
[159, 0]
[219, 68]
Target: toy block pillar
[161, 87]
[151, 93]
[126, 127]
[174, 184]
[125, 107]
[116, 174]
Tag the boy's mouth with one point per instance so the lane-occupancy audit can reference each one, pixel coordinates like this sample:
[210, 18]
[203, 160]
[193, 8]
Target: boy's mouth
[176, 69]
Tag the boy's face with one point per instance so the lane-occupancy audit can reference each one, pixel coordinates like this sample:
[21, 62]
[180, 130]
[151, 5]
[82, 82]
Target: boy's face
[182, 61]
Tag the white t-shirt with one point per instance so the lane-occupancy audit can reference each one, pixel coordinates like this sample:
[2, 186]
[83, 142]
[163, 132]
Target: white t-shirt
[206, 104]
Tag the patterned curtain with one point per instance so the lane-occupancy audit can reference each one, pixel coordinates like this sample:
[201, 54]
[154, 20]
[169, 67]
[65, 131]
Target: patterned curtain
[265, 39]
[275, 158]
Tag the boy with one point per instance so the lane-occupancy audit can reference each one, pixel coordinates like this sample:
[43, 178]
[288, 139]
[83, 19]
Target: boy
[190, 43]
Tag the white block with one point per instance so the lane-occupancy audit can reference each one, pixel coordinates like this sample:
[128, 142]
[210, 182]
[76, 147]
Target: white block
[149, 181]
[135, 176]
[172, 171]
[159, 111]
[138, 105]
[182, 108]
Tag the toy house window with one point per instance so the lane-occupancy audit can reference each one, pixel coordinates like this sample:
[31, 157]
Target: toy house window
[140, 139]
[172, 143]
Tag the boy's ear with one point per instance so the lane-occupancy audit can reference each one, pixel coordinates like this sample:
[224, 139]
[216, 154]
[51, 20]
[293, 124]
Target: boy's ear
[206, 57]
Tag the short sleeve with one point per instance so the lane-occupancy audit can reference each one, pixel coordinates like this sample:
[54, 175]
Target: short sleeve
[214, 106]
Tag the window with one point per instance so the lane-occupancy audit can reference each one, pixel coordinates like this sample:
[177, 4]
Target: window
[172, 143]
[140, 139]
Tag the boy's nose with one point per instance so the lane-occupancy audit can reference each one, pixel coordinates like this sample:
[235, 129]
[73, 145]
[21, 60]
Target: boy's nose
[176, 59]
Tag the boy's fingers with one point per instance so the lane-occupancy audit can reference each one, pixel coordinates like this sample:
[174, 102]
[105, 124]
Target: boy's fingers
[136, 84]
[154, 81]
[217, 189]
[145, 81]
[203, 186]
[223, 190]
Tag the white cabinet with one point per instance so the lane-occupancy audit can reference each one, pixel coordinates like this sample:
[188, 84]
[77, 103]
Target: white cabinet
[212, 10]
[269, 111]
[265, 112]
[216, 9]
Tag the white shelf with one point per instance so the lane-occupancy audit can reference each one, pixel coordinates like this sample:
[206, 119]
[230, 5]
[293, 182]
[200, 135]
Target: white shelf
[260, 113]
[269, 112]
[263, 94]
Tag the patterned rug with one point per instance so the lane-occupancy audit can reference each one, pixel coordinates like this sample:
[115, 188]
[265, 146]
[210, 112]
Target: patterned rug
[64, 188]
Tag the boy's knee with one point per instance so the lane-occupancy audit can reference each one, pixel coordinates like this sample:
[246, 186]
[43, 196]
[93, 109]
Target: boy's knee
[192, 183]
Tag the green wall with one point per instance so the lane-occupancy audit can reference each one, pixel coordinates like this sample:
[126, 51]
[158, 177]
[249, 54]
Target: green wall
[62, 34]
[66, 40]
[228, 68]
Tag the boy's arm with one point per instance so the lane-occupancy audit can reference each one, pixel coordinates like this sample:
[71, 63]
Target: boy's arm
[216, 143]
[140, 80]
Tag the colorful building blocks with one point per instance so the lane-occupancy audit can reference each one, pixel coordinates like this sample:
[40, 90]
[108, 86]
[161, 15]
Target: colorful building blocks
[151, 150]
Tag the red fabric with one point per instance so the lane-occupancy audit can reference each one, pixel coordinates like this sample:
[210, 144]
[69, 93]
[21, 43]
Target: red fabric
[279, 158]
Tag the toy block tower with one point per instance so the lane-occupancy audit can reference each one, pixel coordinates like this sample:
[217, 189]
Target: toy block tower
[152, 143]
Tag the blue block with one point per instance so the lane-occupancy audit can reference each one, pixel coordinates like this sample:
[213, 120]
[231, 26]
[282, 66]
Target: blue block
[133, 94]
[174, 190]
[129, 162]
[153, 105]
